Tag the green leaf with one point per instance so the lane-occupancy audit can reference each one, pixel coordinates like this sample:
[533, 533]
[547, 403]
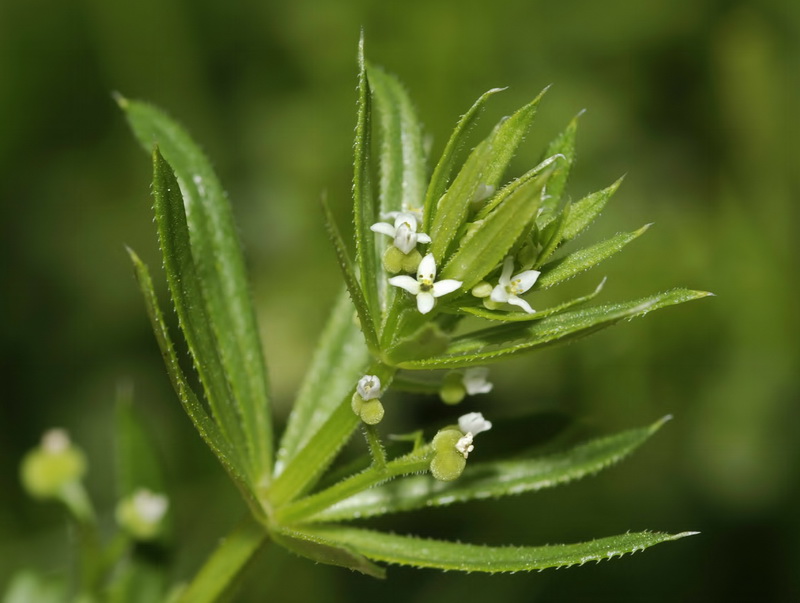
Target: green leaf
[491, 480]
[560, 270]
[208, 430]
[138, 465]
[441, 174]
[185, 285]
[338, 363]
[424, 552]
[365, 214]
[308, 545]
[496, 343]
[552, 236]
[506, 316]
[402, 155]
[564, 145]
[351, 281]
[483, 168]
[481, 251]
[220, 267]
[222, 571]
[583, 212]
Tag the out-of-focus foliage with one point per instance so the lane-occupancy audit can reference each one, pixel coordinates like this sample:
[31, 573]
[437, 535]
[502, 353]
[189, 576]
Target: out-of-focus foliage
[692, 100]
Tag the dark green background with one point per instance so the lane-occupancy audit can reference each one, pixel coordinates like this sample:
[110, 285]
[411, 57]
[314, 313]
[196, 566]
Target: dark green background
[695, 101]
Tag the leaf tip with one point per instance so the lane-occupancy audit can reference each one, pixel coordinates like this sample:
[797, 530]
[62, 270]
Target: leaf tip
[121, 101]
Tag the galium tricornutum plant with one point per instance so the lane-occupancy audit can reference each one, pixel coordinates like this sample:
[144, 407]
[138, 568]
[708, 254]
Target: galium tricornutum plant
[430, 250]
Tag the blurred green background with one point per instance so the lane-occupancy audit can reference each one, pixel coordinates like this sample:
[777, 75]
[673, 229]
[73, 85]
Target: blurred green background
[695, 101]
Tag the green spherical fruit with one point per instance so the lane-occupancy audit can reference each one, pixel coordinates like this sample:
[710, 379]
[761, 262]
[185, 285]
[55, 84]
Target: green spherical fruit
[372, 412]
[447, 466]
[411, 261]
[44, 474]
[452, 390]
[445, 440]
[357, 403]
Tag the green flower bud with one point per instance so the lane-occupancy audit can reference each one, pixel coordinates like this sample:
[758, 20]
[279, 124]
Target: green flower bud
[372, 412]
[452, 390]
[482, 289]
[141, 514]
[447, 466]
[47, 470]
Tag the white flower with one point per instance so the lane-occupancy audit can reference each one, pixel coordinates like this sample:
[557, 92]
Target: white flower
[149, 506]
[404, 231]
[56, 441]
[475, 381]
[508, 288]
[423, 286]
[473, 423]
[369, 387]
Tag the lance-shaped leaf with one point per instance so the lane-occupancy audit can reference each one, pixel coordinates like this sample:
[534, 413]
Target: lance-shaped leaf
[560, 270]
[506, 316]
[321, 550]
[563, 145]
[338, 363]
[364, 208]
[439, 554]
[402, 161]
[185, 286]
[496, 343]
[207, 429]
[220, 268]
[491, 480]
[552, 236]
[583, 212]
[482, 250]
[482, 171]
[444, 168]
[351, 280]
[223, 570]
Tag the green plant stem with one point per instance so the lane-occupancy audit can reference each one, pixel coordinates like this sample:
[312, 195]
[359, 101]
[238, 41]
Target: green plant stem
[305, 508]
[223, 569]
[375, 446]
[305, 468]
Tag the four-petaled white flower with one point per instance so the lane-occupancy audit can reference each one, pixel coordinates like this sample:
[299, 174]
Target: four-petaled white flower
[404, 231]
[470, 425]
[369, 387]
[424, 286]
[509, 288]
[475, 381]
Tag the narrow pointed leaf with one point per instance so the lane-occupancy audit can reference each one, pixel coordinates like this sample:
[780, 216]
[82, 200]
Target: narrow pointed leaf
[188, 299]
[207, 429]
[514, 316]
[552, 236]
[324, 551]
[357, 294]
[484, 168]
[565, 268]
[491, 480]
[364, 208]
[583, 213]
[483, 250]
[439, 554]
[223, 570]
[564, 145]
[513, 339]
[338, 363]
[220, 266]
[444, 168]
[402, 161]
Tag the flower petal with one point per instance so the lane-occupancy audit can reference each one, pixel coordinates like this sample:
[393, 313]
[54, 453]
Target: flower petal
[499, 294]
[444, 287]
[425, 302]
[473, 423]
[405, 282]
[518, 301]
[475, 381]
[427, 268]
[526, 280]
[383, 228]
[405, 239]
[423, 238]
[508, 268]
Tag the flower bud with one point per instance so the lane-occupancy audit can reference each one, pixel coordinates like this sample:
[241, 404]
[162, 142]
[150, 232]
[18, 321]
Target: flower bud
[142, 514]
[55, 464]
[452, 390]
